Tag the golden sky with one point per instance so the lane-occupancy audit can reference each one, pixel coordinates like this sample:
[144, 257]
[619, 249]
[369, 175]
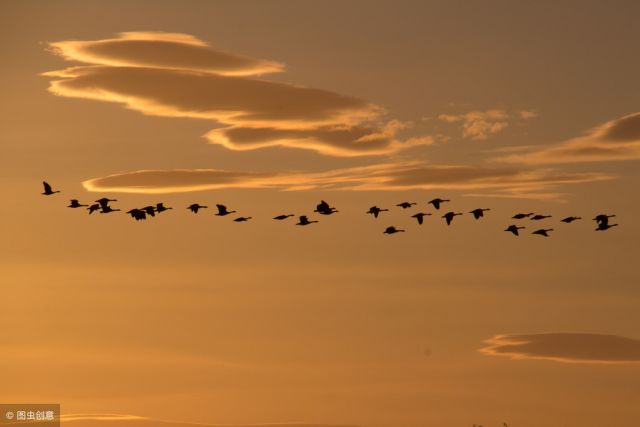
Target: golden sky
[269, 107]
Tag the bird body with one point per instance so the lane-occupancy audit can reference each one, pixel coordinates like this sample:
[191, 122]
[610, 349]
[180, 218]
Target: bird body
[149, 210]
[242, 219]
[304, 221]
[222, 210]
[93, 208]
[420, 217]
[543, 232]
[160, 207]
[539, 217]
[375, 211]
[281, 217]
[137, 214]
[47, 189]
[570, 219]
[479, 213]
[602, 219]
[104, 202]
[405, 205]
[74, 203]
[514, 229]
[195, 207]
[449, 216]
[522, 215]
[392, 230]
[107, 209]
[437, 202]
[323, 208]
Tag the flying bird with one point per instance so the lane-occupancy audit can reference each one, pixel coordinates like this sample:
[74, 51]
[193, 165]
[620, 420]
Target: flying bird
[437, 202]
[74, 203]
[242, 219]
[137, 214]
[603, 227]
[323, 208]
[603, 219]
[514, 229]
[543, 232]
[420, 217]
[570, 219]
[93, 208]
[479, 213]
[392, 230]
[522, 215]
[195, 207]
[105, 202]
[304, 221]
[222, 210]
[375, 211]
[47, 189]
[539, 217]
[107, 209]
[160, 207]
[405, 205]
[284, 216]
[149, 210]
[449, 216]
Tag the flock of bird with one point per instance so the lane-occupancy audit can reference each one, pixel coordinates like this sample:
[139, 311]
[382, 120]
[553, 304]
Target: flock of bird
[323, 208]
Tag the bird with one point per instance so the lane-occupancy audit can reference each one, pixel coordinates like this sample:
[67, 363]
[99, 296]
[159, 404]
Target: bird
[392, 230]
[405, 205]
[437, 202]
[479, 213]
[603, 227]
[449, 216]
[107, 209]
[522, 215]
[242, 219]
[93, 208]
[543, 232]
[514, 229]
[74, 203]
[47, 189]
[222, 210]
[420, 217]
[195, 207]
[570, 219]
[137, 214]
[105, 201]
[160, 207]
[539, 217]
[323, 208]
[284, 216]
[375, 211]
[304, 221]
[149, 210]
[602, 218]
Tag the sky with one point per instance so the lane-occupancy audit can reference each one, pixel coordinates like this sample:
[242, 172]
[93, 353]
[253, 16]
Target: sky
[269, 107]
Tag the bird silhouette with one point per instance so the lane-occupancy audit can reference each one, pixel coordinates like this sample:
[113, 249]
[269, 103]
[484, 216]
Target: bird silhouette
[74, 203]
[323, 208]
[93, 208]
[242, 219]
[603, 227]
[522, 215]
[543, 232]
[137, 214]
[405, 205]
[603, 219]
[284, 216]
[375, 211]
[570, 219]
[449, 216]
[437, 202]
[47, 189]
[107, 209]
[539, 217]
[105, 202]
[479, 213]
[222, 210]
[514, 229]
[149, 210]
[160, 207]
[304, 221]
[420, 217]
[392, 230]
[195, 207]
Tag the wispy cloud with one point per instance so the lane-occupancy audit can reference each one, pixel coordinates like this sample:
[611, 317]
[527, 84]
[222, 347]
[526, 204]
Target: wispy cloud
[566, 347]
[614, 140]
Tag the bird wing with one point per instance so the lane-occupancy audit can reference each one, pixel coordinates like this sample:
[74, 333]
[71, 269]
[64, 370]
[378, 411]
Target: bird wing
[47, 187]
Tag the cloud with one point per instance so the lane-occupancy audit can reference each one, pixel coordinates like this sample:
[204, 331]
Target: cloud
[566, 347]
[378, 177]
[162, 50]
[527, 114]
[479, 124]
[617, 139]
[178, 75]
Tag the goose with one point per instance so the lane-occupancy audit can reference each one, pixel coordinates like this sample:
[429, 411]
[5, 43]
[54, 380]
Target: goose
[543, 232]
[405, 205]
[105, 202]
[539, 217]
[514, 229]
[47, 189]
[304, 221]
[160, 207]
[479, 213]
[449, 216]
[149, 210]
[74, 203]
[108, 209]
[222, 210]
[284, 216]
[137, 214]
[522, 215]
[603, 218]
[195, 207]
[242, 219]
[603, 227]
[437, 202]
[392, 230]
[93, 208]
[323, 208]
[570, 219]
[420, 217]
[375, 211]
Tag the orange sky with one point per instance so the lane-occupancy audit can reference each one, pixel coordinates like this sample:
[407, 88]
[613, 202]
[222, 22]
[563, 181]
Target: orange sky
[269, 107]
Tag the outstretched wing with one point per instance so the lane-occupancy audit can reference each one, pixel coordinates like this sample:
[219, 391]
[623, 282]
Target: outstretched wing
[47, 187]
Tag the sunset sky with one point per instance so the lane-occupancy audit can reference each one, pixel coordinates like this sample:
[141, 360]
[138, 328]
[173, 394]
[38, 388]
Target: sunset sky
[269, 107]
